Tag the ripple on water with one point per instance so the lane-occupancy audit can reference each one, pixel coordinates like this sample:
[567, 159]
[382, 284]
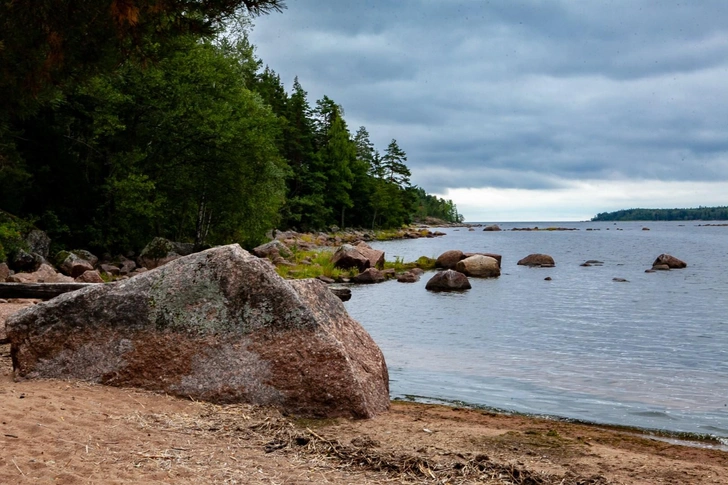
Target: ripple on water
[650, 353]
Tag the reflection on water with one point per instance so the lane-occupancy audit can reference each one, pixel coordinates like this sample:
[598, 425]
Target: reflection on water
[651, 352]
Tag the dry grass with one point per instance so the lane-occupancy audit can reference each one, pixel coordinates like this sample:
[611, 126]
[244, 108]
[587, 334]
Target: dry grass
[361, 457]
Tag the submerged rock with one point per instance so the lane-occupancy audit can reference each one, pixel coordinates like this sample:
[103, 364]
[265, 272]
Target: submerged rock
[408, 277]
[538, 260]
[370, 275]
[220, 326]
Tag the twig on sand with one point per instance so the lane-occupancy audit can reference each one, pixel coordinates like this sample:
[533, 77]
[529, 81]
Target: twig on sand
[16, 466]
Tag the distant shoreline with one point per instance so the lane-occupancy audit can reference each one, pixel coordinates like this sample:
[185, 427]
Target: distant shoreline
[645, 215]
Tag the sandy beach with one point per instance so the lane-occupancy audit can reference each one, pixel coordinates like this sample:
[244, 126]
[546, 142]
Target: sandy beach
[55, 431]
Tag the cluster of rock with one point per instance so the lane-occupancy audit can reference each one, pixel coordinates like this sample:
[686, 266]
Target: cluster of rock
[536, 228]
[458, 265]
[219, 325]
[336, 237]
[81, 266]
[360, 256]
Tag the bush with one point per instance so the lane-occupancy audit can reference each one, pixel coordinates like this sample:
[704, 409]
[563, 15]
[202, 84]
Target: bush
[11, 239]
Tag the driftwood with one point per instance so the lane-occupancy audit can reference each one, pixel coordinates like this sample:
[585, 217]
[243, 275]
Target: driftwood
[46, 291]
[40, 291]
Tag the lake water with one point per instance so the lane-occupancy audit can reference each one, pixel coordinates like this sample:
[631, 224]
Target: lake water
[651, 352]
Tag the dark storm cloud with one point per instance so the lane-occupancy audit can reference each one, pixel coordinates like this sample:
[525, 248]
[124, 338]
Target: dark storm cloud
[522, 94]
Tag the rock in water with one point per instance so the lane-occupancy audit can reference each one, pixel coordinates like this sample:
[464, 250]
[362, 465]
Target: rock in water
[448, 280]
[537, 260]
[449, 259]
[370, 275]
[220, 326]
[479, 266]
[671, 261]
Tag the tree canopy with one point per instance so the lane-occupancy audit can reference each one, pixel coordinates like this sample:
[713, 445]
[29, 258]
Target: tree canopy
[122, 120]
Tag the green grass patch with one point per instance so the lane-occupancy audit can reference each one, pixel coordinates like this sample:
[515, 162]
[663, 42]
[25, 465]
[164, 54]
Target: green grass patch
[399, 265]
[312, 263]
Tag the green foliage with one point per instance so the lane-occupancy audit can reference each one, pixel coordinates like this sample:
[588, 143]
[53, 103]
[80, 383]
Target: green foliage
[12, 230]
[393, 165]
[399, 264]
[699, 214]
[125, 121]
[432, 206]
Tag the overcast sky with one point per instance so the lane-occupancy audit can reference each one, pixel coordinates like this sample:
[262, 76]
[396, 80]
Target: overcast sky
[525, 110]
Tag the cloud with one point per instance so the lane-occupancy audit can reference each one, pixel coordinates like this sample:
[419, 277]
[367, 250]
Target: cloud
[520, 95]
[582, 200]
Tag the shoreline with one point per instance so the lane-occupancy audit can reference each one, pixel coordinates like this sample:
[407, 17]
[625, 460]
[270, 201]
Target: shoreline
[681, 438]
[77, 432]
[685, 438]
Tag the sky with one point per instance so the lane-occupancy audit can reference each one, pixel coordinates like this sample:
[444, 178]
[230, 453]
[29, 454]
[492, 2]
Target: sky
[525, 110]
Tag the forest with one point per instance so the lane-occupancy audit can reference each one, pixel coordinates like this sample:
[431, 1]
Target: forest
[698, 214]
[122, 120]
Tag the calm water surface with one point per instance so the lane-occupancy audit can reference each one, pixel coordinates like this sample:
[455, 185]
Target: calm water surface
[651, 352]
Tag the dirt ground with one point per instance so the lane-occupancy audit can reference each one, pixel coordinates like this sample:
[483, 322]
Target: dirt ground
[76, 433]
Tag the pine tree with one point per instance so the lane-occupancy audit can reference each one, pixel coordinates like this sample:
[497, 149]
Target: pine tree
[393, 165]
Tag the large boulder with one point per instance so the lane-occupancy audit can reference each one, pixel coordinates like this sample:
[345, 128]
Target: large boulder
[272, 250]
[479, 266]
[494, 227]
[161, 251]
[347, 256]
[670, 261]
[375, 256]
[44, 274]
[448, 280]
[449, 259]
[538, 260]
[219, 325]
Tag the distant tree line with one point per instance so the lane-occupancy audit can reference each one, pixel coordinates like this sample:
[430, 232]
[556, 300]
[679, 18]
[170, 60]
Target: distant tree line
[699, 214]
[121, 121]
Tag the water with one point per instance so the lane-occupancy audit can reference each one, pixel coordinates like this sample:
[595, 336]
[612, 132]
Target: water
[650, 353]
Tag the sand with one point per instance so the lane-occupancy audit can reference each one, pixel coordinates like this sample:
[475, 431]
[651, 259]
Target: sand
[55, 431]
